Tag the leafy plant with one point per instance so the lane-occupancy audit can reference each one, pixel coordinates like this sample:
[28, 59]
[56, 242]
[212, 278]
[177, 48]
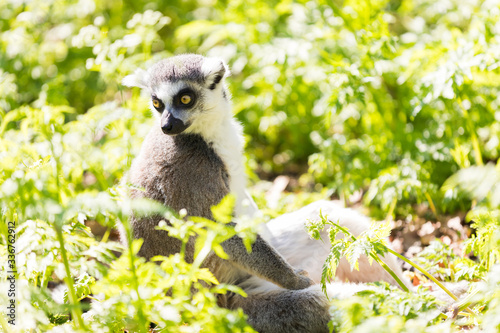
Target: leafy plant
[371, 243]
[484, 243]
[386, 308]
[396, 100]
[439, 260]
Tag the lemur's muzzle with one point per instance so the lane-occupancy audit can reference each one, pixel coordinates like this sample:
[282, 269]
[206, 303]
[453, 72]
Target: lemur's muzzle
[171, 125]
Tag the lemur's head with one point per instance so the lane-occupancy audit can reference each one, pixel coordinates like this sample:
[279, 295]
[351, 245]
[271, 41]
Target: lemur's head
[187, 92]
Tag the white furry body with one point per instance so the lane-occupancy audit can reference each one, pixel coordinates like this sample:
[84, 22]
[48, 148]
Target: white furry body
[288, 236]
[310, 254]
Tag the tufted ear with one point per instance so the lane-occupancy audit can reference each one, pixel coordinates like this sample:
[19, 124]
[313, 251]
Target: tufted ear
[139, 79]
[214, 70]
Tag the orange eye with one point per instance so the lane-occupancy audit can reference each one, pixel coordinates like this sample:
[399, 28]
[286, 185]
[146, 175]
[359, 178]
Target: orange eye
[156, 103]
[186, 99]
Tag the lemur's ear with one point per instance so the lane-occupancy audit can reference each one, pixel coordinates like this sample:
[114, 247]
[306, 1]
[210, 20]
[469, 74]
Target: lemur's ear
[215, 70]
[138, 79]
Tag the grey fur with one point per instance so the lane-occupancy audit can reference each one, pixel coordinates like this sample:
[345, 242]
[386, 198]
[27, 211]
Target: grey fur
[177, 171]
[304, 311]
[186, 67]
[184, 172]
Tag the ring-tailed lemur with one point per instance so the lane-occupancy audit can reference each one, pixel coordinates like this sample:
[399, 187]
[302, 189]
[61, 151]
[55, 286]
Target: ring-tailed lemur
[190, 160]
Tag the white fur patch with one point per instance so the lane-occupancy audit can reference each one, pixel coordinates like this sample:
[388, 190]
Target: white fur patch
[256, 285]
[341, 290]
[291, 240]
[213, 65]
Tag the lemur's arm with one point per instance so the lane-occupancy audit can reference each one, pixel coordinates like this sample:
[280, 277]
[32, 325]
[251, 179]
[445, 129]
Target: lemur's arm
[266, 263]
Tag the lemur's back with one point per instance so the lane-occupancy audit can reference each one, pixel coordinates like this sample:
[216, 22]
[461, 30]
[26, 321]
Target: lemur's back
[177, 171]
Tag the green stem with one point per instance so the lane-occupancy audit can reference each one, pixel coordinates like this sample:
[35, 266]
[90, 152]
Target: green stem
[431, 204]
[433, 279]
[75, 307]
[376, 258]
[207, 247]
[388, 217]
[423, 271]
[105, 237]
[182, 252]
[76, 311]
[390, 271]
[465, 302]
[135, 280]
[475, 142]
[140, 313]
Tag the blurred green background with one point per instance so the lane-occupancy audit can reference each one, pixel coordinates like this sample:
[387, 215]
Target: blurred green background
[396, 102]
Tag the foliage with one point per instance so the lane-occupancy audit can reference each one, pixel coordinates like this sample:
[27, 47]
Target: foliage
[56, 174]
[440, 261]
[396, 99]
[398, 310]
[370, 243]
[376, 95]
[485, 244]
[386, 309]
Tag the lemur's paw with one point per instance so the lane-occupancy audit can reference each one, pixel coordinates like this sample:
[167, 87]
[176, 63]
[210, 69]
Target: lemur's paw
[302, 272]
[303, 279]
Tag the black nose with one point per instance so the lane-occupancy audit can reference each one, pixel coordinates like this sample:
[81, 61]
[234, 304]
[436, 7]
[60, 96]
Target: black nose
[171, 125]
[167, 128]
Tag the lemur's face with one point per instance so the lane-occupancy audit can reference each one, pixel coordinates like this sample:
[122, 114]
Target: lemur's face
[186, 91]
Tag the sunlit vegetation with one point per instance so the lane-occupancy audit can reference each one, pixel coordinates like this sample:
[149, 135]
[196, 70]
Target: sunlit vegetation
[392, 106]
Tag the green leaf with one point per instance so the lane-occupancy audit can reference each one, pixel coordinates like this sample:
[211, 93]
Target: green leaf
[223, 212]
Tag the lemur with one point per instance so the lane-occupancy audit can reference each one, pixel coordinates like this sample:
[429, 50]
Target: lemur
[191, 159]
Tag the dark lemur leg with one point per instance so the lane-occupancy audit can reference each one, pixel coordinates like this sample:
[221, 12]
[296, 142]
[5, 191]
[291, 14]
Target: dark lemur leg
[280, 298]
[263, 261]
